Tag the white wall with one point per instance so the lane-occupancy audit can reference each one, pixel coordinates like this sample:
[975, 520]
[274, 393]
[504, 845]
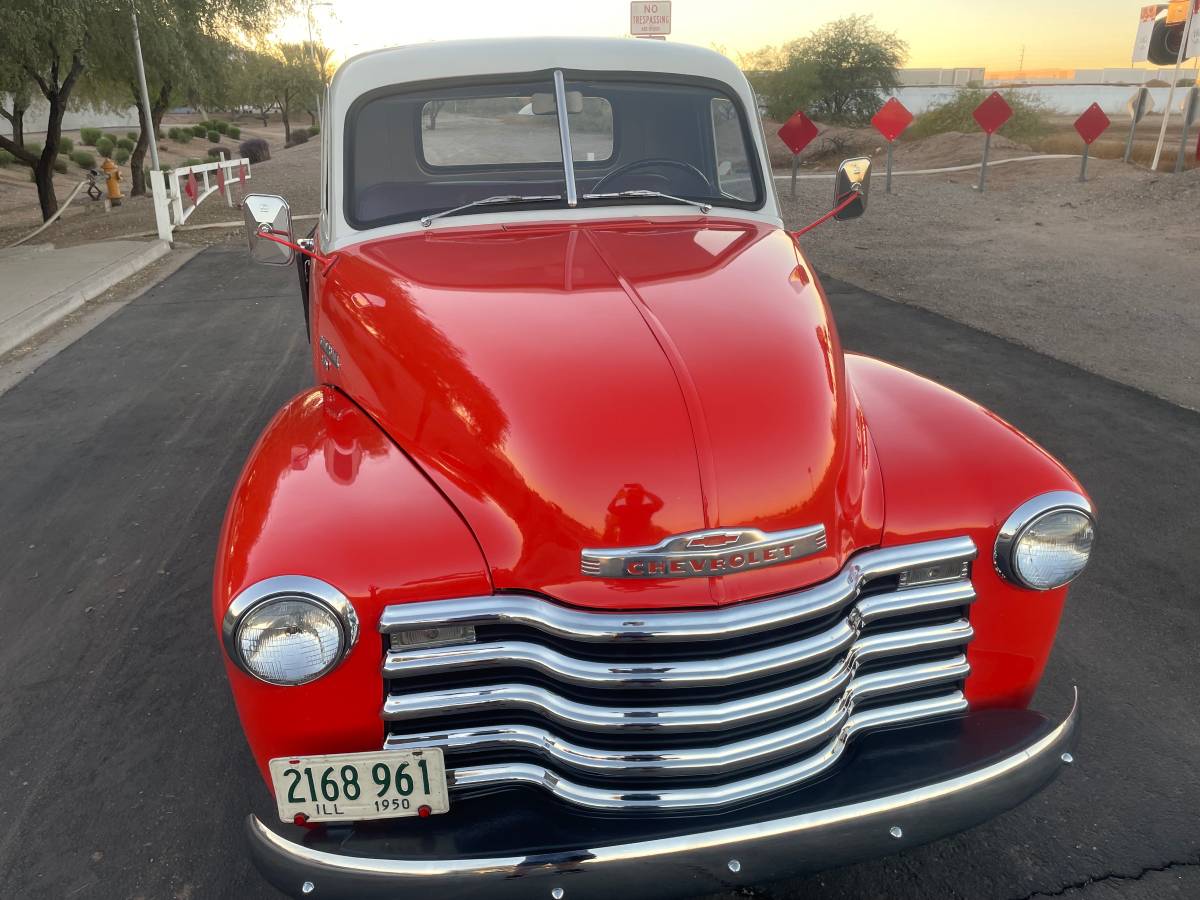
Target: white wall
[35, 119]
[1064, 98]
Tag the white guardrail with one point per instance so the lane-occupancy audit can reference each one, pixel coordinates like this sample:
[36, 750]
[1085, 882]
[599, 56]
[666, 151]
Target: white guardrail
[173, 205]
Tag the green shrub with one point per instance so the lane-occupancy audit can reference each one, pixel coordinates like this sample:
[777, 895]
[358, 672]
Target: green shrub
[89, 136]
[60, 166]
[104, 146]
[132, 135]
[299, 136]
[125, 144]
[112, 137]
[218, 152]
[199, 130]
[83, 159]
[185, 136]
[173, 134]
[190, 161]
[1030, 118]
[220, 126]
[314, 130]
[255, 149]
[235, 132]
[121, 156]
[6, 159]
[65, 145]
[214, 136]
[34, 148]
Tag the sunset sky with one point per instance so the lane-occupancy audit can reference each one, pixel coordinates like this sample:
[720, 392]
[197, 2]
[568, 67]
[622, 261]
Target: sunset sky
[1056, 33]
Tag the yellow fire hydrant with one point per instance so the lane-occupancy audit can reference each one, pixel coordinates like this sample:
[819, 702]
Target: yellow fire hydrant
[113, 176]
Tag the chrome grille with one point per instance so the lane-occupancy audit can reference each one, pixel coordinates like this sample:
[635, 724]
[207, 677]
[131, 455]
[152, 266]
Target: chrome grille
[681, 710]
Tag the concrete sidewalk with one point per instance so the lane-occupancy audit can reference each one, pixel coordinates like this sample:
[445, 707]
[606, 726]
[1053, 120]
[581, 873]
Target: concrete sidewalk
[39, 285]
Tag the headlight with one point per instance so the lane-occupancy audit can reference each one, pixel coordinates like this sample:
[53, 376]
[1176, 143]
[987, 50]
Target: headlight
[289, 630]
[1047, 541]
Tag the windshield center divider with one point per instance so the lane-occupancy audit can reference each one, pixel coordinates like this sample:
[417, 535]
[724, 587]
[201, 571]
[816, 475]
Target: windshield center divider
[564, 136]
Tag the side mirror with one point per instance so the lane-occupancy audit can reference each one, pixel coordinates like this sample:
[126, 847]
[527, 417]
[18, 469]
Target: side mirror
[266, 214]
[853, 181]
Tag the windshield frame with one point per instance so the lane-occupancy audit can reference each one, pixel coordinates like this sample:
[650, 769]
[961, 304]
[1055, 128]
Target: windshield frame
[555, 78]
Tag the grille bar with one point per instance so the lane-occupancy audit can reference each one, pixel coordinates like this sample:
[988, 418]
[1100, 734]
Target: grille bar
[711, 796]
[693, 717]
[683, 762]
[695, 625]
[690, 673]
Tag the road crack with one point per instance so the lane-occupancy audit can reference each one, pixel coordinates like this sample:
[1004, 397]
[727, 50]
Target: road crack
[1114, 876]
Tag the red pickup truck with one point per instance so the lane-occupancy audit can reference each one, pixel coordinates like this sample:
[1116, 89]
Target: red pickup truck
[591, 565]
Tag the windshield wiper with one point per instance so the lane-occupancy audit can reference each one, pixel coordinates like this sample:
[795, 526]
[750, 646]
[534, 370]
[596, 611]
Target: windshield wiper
[643, 195]
[498, 200]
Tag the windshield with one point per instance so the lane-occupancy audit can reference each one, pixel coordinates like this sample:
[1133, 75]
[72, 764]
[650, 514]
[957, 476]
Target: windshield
[413, 154]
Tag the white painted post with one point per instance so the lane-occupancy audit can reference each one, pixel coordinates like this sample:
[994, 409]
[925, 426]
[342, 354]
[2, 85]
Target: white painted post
[162, 205]
[228, 185]
[176, 198]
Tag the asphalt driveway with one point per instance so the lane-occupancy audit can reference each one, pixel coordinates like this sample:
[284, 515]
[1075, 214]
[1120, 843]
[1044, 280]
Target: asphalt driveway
[123, 772]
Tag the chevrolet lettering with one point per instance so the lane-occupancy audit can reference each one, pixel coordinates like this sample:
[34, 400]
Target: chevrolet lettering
[688, 556]
[494, 633]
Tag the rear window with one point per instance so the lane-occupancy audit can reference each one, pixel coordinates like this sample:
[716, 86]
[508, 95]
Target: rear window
[496, 131]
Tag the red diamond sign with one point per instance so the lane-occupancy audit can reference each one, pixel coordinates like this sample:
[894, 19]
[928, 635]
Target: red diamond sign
[1092, 123]
[992, 113]
[798, 131]
[891, 120]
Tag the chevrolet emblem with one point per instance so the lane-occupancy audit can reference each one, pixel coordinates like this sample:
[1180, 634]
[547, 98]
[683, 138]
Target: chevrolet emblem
[705, 554]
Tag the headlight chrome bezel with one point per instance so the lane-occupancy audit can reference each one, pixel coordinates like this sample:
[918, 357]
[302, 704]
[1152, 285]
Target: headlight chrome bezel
[1025, 517]
[289, 587]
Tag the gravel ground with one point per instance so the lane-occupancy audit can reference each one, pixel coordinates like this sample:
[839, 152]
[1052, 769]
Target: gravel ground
[1103, 275]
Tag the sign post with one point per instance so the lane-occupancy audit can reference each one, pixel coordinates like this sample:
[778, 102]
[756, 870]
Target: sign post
[1090, 126]
[650, 19]
[797, 132]
[1184, 52]
[1139, 104]
[891, 120]
[991, 115]
[1191, 110]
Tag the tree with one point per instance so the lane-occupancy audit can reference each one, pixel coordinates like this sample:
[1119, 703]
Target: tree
[293, 81]
[48, 42]
[252, 85]
[840, 73]
[18, 87]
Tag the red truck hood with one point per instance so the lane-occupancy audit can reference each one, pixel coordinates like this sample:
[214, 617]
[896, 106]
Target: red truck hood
[610, 384]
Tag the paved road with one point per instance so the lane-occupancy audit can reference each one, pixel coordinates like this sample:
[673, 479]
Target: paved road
[123, 772]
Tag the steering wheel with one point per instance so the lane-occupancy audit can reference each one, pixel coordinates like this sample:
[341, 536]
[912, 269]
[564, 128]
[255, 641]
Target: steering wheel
[701, 180]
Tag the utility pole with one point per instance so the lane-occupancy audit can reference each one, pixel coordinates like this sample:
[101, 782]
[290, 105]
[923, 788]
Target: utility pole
[141, 71]
[312, 49]
[1021, 64]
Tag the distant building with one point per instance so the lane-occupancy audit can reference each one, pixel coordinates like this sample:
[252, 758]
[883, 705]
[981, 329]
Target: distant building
[1029, 76]
[939, 77]
[1130, 76]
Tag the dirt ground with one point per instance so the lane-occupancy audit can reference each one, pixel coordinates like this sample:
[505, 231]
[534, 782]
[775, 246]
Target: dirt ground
[1104, 275]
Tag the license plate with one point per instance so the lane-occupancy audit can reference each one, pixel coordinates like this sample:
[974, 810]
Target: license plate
[354, 786]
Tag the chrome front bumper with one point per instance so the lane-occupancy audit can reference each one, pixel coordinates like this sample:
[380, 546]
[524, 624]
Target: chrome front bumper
[921, 784]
